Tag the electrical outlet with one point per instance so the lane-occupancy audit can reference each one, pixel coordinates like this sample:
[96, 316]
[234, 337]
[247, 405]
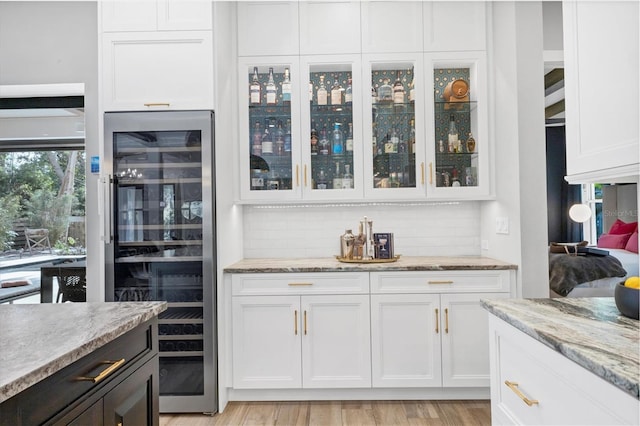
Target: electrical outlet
[502, 225]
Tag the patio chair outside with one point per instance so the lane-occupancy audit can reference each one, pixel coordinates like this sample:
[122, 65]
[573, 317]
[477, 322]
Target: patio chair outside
[37, 239]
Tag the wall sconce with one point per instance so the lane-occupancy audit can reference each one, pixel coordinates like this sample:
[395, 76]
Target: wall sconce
[580, 213]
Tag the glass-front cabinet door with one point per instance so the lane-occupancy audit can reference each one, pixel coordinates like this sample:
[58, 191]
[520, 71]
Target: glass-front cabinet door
[457, 157]
[269, 129]
[331, 125]
[394, 127]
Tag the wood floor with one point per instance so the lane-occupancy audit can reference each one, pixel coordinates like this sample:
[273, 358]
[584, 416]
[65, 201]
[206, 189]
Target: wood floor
[341, 413]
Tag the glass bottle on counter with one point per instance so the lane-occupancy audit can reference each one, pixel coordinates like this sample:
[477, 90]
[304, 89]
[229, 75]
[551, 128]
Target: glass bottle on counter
[272, 91]
[321, 97]
[255, 90]
[337, 140]
[286, 88]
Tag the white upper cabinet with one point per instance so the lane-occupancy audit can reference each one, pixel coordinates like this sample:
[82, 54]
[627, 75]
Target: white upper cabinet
[329, 27]
[268, 28]
[403, 17]
[160, 15]
[601, 89]
[456, 25]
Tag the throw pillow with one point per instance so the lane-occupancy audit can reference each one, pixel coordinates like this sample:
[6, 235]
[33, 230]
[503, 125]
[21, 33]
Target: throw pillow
[632, 244]
[620, 227]
[614, 241]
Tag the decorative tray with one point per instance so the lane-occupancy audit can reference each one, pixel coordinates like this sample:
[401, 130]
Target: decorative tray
[344, 260]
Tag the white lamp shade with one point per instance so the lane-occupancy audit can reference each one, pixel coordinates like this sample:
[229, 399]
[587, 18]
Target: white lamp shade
[580, 213]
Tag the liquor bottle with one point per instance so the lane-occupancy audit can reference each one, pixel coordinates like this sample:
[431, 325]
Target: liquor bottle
[256, 145]
[321, 95]
[286, 88]
[267, 141]
[272, 92]
[398, 90]
[374, 138]
[347, 178]
[403, 144]
[278, 145]
[336, 92]
[374, 97]
[324, 147]
[471, 143]
[255, 90]
[385, 93]
[321, 182]
[388, 145]
[310, 91]
[314, 142]
[395, 140]
[452, 135]
[412, 136]
[337, 140]
[287, 137]
[412, 87]
[348, 93]
[348, 144]
[337, 177]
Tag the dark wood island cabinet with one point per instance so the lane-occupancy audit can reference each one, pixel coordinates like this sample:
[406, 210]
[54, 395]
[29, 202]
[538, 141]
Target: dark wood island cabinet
[113, 383]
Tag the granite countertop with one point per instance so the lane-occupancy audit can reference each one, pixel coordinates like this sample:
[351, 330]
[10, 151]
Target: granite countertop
[37, 340]
[589, 331]
[331, 264]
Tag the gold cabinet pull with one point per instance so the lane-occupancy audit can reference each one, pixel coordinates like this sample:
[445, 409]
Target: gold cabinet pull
[305, 175]
[305, 323]
[104, 373]
[446, 320]
[157, 104]
[430, 173]
[297, 175]
[514, 387]
[440, 282]
[295, 322]
[422, 172]
[437, 319]
[299, 284]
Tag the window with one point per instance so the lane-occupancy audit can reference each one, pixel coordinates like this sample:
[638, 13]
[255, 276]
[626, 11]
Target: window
[592, 196]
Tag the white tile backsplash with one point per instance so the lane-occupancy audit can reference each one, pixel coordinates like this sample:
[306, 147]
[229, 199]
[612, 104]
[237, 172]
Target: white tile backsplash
[430, 229]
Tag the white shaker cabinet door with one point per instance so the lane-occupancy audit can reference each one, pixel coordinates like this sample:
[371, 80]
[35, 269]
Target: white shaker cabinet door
[403, 17]
[405, 340]
[455, 25]
[266, 342]
[268, 28]
[329, 27]
[335, 342]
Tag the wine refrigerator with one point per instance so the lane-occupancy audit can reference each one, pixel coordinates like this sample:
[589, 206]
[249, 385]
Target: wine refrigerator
[159, 235]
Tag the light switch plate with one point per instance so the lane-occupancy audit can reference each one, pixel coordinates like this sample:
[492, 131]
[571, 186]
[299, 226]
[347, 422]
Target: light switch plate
[502, 225]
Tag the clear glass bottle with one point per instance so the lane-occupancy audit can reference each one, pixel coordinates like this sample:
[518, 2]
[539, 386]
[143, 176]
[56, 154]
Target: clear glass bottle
[321, 182]
[314, 142]
[471, 144]
[412, 136]
[256, 140]
[374, 97]
[278, 145]
[272, 91]
[337, 177]
[348, 92]
[385, 93]
[412, 87]
[321, 97]
[324, 147]
[395, 140]
[348, 144]
[310, 91]
[336, 92]
[287, 136]
[453, 134]
[286, 88]
[347, 178]
[267, 139]
[337, 140]
[255, 90]
[398, 90]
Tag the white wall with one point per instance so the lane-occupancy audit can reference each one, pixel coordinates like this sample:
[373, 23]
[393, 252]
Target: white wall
[57, 42]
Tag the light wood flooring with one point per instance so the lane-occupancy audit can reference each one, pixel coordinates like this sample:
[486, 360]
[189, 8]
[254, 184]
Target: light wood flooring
[341, 413]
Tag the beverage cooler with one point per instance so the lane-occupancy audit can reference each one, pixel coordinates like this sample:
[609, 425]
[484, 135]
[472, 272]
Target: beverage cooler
[159, 234]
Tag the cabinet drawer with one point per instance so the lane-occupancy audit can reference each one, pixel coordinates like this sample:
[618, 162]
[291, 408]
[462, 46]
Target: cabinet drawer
[307, 283]
[439, 282]
[566, 393]
[40, 402]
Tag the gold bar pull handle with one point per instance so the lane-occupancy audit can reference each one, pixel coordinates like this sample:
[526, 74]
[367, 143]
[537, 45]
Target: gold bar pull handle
[305, 323]
[157, 104]
[295, 322]
[431, 174]
[437, 321]
[299, 284]
[514, 387]
[297, 175]
[422, 172]
[305, 175]
[446, 320]
[104, 373]
[440, 282]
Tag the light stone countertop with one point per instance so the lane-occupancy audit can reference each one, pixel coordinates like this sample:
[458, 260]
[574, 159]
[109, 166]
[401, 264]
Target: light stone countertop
[589, 331]
[37, 340]
[331, 264]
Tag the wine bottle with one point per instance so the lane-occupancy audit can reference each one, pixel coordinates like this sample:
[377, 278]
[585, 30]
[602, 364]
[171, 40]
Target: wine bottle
[286, 88]
[272, 91]
[337, 140]
[348, 92]
[255, 90]
[321, 95]
[336, 92]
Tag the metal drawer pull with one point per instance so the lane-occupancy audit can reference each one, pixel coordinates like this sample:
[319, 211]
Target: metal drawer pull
[446, 320]
[295, 322]
[155, 104]
[514, 387]
[305, 323]
[292, 284]
[437, 326]
[104, 373]
[441, 282]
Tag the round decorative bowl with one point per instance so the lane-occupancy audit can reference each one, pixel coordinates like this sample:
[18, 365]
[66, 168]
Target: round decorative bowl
[627, 300]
